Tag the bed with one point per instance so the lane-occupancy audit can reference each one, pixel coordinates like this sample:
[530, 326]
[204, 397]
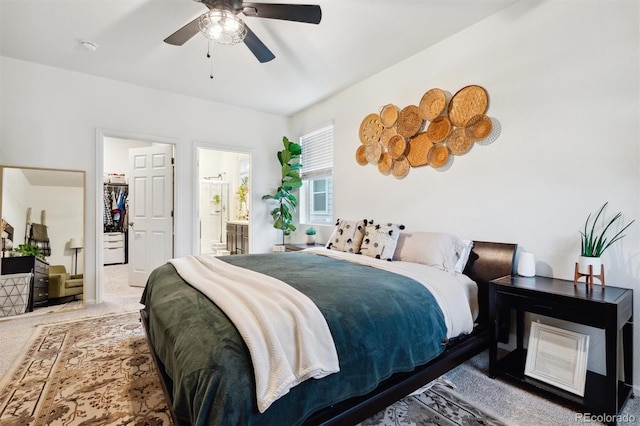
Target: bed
[206, 368]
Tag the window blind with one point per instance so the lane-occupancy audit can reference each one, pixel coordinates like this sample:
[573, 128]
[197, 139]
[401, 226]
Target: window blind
[317, 153]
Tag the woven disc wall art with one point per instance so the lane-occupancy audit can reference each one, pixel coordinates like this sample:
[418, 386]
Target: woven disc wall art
[371, 129]
[466, 103]
[389, 115]
[433, 103]
[458, 142]
[478, 127]
[419, 146]
[385, 163]
[410, 121]
[396, 140]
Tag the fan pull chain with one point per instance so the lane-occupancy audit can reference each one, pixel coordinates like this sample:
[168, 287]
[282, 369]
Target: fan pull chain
[210, 58]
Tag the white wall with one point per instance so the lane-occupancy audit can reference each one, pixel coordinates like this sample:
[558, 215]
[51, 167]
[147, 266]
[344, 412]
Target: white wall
[15, 202]
[116, 154]
[563, 80]
[64, 215]
[49, 118]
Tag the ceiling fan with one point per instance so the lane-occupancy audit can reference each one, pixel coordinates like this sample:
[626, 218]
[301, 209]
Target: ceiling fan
[222, 24]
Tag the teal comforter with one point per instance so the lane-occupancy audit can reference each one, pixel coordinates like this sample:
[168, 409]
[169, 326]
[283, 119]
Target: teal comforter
[381, 323]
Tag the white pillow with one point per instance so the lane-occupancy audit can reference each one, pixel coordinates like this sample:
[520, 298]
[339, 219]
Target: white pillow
[464, 256]
[348, 235]
[435, 249]
[380, 240]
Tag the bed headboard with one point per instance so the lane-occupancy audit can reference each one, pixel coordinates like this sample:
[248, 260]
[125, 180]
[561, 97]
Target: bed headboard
[489, 261]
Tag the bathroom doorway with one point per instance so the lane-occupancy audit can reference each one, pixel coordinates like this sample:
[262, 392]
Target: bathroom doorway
[223, 201]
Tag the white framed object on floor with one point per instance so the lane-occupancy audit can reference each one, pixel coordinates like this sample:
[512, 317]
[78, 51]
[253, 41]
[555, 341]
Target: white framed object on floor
[558, 357]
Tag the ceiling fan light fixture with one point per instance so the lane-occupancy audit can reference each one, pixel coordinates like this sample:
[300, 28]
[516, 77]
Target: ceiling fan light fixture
[222, 26]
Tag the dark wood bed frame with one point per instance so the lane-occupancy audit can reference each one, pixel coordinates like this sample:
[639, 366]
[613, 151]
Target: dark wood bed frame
[487, 261]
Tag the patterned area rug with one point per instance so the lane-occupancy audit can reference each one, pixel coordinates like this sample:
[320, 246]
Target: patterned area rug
[96, 371]
[437, 405]
[99, 371]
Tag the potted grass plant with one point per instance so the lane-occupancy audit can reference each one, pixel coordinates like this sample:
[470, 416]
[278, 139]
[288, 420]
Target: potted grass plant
[594, 241]
[285, 193]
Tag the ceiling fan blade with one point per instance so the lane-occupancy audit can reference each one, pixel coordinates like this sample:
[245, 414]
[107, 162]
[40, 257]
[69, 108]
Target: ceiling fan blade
[257, 47]
[308, 13]
[184, 34]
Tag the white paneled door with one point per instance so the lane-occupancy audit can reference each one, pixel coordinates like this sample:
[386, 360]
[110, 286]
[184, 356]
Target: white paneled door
[150, 210]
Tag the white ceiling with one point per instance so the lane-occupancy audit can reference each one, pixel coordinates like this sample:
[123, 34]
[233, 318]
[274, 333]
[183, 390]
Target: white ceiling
[354, 40]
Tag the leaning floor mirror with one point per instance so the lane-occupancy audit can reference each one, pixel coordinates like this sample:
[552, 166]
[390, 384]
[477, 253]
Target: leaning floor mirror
[42, 226]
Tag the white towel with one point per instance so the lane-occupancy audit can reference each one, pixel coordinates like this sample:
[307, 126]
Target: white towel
[287, 335]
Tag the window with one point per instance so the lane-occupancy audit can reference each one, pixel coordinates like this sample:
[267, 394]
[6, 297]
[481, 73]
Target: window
[316, 194]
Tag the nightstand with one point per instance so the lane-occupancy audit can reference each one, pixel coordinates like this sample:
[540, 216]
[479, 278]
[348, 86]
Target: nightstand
[39, 286]
[607, 308]
[300, 246]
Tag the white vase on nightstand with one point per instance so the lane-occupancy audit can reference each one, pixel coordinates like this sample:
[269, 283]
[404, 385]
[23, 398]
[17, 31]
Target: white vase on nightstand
[526, 265]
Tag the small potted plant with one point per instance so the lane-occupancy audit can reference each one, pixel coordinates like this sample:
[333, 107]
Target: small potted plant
[27, 250]
[311, 235]
[594, 243]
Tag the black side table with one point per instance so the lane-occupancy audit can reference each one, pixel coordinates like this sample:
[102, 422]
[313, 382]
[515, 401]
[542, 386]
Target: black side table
[301, 246]
[607, 308]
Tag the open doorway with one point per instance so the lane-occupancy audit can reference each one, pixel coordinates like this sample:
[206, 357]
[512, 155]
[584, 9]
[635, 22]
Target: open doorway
[223, 201]
[137, 212]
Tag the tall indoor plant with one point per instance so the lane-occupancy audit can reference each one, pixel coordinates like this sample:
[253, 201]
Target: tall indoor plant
[284, 195]
[595, 242]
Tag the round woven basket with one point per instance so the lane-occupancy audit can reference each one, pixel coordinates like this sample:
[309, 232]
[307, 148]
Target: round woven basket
[372, 152]
[419, 146]
[496, 129]
[397, 146]
[410, 121]
[439, 129]
[387, 134]
[389, 115]
[466, 103]
[478, 127]
[433, 103]
[438, 156]
[361, 158]
[385, 163]
[458, 142]
[370, 129]
[400, 167]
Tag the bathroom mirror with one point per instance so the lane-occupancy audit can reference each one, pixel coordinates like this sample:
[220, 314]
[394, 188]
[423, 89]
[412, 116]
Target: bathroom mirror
[45, 209]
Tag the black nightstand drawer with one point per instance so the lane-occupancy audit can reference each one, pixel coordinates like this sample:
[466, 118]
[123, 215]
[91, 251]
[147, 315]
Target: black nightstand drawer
[536, 305]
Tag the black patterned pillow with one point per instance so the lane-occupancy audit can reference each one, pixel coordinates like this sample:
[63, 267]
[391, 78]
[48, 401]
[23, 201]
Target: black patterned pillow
[348, 235]
[380, 240]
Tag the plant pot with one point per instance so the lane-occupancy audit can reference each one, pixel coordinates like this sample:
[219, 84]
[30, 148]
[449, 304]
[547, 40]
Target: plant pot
[584, 262]
[311, 239]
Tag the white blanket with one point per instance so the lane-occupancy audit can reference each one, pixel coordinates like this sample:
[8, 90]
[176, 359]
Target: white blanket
[287, 336]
